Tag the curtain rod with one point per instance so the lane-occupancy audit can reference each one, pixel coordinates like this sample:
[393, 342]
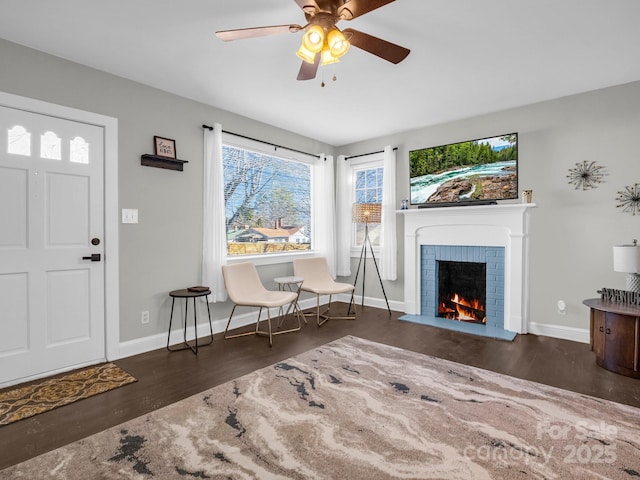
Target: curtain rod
[370, 153]
[262, 141]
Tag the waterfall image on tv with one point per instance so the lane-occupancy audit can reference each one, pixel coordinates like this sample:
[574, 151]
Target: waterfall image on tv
[476, 171]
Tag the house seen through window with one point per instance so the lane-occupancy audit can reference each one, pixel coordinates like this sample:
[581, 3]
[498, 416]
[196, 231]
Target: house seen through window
[267, 202]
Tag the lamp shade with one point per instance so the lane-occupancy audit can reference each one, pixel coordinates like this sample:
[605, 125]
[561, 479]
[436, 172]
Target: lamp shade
[313, 39]
[367, 213]
[626, 258]
[326, 56]
[337, 43]
[306, 55]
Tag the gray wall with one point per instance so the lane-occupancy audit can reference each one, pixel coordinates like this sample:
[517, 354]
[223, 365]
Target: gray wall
[163, 251]
[572, 231]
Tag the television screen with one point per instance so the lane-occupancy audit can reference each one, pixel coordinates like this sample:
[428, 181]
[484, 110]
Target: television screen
[476, 171]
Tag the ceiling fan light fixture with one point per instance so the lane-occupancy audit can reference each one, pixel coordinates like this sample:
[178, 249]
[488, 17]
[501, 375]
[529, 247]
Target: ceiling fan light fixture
[322, 42]
[327, 57]
[337, 42]
[306, 55]
[313, 39]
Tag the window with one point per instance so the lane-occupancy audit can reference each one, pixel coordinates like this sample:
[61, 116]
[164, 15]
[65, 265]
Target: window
[267, 202]
[78, 150]
[19, 141]
[50, 146]
[367, 188]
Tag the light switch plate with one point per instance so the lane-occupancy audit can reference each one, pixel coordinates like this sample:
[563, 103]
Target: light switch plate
[129, 215]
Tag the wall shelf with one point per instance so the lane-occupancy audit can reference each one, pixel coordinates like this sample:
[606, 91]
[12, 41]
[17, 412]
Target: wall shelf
[149, 160]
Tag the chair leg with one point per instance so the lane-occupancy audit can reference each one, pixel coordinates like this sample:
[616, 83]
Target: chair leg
[294, 309]
[258, 320]
[325, 315]
[240, 334]
[297, 314]
[324, 318]
[269, 332]
[229, 323]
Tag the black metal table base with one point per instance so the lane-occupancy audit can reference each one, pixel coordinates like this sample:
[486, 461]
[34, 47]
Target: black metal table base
[186, 294]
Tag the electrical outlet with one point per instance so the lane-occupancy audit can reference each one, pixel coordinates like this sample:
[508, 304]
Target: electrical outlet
[562, 307]
[144, 318]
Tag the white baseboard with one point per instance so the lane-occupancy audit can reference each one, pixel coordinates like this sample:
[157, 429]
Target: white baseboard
[559, 331]
[154, 342]
[372, 302]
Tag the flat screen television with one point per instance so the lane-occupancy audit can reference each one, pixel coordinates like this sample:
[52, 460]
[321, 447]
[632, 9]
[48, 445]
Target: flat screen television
[465, 173]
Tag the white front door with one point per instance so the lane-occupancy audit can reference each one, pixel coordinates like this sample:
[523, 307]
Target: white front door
[51, 219]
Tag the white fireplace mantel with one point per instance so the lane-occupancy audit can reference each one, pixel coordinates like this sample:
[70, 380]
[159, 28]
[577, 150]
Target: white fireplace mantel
[502, 225]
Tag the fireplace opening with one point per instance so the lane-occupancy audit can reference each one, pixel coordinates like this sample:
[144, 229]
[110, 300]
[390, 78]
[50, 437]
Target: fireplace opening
[462, 291]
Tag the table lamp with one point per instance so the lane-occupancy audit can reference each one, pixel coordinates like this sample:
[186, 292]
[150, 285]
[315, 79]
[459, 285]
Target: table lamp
[626, 258]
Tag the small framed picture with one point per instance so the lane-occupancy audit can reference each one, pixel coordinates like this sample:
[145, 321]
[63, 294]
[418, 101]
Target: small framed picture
[165, 147]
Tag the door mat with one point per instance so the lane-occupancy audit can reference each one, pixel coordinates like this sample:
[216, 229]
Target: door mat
[25, 402]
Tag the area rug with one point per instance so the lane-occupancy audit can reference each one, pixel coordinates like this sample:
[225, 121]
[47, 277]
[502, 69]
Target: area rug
[354, 409]
[24, 402]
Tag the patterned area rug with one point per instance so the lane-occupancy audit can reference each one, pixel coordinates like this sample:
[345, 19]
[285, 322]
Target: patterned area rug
[24, 402]
[354, 409]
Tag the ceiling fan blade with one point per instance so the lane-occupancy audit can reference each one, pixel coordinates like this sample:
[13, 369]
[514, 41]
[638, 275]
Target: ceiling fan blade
[381, 48]
[357, 8]
[241, 33]
[307, 70]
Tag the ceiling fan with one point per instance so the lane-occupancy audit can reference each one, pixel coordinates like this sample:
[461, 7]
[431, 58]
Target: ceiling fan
[323, 42]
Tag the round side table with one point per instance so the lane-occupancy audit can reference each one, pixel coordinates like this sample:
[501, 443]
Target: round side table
[292, 284]
[187, 294]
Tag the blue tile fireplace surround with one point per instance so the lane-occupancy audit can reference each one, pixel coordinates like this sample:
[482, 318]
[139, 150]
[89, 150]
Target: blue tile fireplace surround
[493, 258]
[496, 236]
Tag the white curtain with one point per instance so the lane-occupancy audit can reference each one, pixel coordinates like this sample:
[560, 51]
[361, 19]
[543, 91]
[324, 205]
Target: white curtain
[324, 235]
[388, 241]
[343, 217]
[214, 247]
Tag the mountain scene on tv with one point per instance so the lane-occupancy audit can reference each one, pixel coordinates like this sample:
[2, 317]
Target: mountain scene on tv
[483, 169]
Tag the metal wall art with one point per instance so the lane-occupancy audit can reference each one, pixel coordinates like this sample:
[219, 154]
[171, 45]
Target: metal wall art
[586, 175]
[629, 199]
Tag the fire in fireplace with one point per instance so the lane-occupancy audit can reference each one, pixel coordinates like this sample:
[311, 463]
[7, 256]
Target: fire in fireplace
[462, 291]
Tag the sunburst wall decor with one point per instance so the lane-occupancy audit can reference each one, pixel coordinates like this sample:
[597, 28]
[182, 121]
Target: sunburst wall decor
[586, 175]
[629, 199]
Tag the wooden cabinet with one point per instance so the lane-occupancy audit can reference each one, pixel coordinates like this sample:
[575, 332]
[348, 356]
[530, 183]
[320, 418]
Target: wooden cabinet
[615, 336]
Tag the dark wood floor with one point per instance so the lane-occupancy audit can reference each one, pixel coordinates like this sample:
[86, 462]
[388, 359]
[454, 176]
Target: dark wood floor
[166, 377]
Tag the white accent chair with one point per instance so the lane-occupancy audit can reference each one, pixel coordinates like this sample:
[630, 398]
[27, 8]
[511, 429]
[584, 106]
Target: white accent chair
[246, 289]
[318, 281]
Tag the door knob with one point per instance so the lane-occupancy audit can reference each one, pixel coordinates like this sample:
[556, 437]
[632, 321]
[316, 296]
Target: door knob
[95, 257]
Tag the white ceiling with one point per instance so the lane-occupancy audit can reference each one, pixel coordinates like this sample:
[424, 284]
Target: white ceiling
[468, 57]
